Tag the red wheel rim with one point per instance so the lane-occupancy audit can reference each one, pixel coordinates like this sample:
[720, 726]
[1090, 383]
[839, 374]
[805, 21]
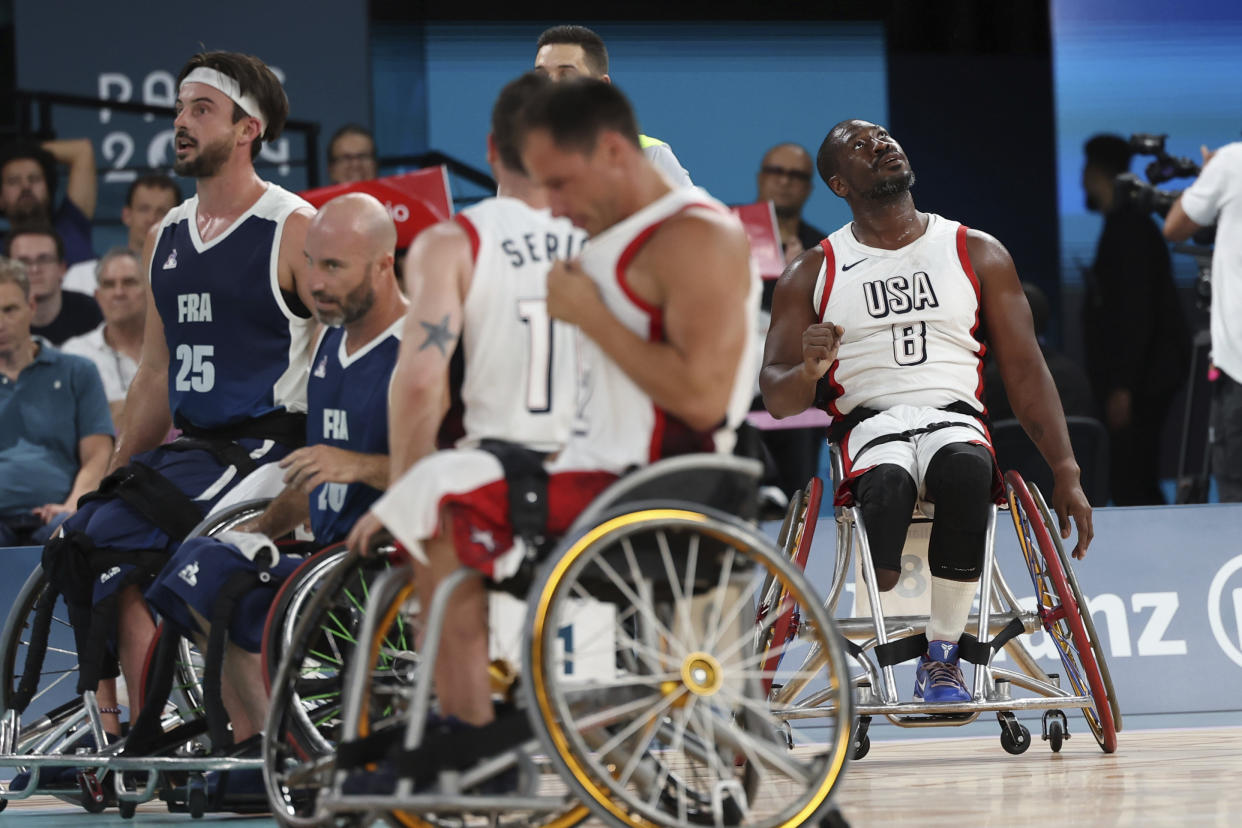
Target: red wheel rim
[786, 625]
[1062, 620]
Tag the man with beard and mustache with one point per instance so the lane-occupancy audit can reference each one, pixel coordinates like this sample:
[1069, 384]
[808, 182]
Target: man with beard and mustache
[882, 319]
[28, 179]
[335, 478]
[225, 359]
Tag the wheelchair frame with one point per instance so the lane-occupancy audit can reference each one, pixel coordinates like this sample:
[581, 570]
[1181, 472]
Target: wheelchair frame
[29, 750]
[998, 609]
[596, 527]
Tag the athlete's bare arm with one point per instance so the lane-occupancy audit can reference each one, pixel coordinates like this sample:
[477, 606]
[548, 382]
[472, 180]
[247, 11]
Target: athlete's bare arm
[438, 271]
[696, 269]
[292, 268]
[1027, 380]
[799, 348]
[147, 417]
[287, 511]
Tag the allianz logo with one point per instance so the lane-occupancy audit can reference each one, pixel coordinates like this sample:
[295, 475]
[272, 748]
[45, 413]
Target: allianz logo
[1117, 625]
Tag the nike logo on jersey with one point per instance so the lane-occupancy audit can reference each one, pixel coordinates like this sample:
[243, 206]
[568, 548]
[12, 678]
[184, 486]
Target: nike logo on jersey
[855, 264]
[171, 261]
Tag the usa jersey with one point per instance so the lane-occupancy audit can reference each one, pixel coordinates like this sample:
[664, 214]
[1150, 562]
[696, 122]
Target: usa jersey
[619, 427]
[347, 395]
[236, 350]
[910, 318]
[507, 336]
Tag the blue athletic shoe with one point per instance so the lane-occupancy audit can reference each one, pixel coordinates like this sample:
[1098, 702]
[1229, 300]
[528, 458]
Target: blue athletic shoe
[938, 678]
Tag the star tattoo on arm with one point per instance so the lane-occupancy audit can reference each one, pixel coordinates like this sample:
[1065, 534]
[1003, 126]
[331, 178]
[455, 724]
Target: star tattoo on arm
[438, 334]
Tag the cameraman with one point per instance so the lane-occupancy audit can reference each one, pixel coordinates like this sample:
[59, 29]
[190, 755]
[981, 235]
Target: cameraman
[1137, 343]
[1215, 197]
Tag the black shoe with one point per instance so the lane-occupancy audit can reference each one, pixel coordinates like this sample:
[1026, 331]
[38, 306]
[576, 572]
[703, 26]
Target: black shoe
[57, 777]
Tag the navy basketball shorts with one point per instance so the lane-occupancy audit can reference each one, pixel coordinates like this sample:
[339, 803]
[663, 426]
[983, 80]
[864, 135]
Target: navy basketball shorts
[113, 525]
[196, 576]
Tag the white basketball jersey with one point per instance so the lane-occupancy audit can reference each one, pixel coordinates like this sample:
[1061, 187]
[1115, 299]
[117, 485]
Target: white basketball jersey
[618, 425]
[509, 341]
[910, 318]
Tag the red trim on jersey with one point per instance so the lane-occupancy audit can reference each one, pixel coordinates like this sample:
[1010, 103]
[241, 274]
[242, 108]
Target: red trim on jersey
[964, 256]
[830, 275]
[467, 225]
[655, 328]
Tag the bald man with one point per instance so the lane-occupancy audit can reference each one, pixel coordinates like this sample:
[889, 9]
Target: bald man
[340, 472]
[784, 178]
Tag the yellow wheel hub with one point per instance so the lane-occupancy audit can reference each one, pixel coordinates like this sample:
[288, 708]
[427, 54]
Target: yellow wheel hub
[701, 674]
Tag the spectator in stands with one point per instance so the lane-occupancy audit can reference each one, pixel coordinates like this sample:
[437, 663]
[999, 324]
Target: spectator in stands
[351, 155]
[59, 314]
[565, 52]
[116, 345]
[28, 180]
[785, 175]
[55, 434]
[148, 199]
[1137, 341]
[1067, 375]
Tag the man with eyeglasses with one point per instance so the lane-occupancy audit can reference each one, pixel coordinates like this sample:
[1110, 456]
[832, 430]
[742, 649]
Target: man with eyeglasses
[785, 180]
[351, 155]
[59, 314]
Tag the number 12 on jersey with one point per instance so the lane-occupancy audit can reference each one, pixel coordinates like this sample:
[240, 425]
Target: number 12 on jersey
[534, 313]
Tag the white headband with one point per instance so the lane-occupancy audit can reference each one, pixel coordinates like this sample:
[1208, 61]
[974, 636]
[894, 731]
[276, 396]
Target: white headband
[219, 80]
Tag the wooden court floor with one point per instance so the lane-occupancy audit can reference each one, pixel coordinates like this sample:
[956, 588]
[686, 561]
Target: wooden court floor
[1187, 777]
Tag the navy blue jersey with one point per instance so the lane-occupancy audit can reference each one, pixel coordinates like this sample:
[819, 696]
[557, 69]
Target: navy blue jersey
[236, 350]
[348, 408]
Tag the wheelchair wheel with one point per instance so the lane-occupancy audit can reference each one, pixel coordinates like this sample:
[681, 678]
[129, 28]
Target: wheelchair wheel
[646, 684]
[326, 601]
[291, 601]
[50, 698]
[797, 533]
[1060, 612]
[1087, 621]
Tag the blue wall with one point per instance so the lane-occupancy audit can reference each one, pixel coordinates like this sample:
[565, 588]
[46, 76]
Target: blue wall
[1123, 66]
[719, 93]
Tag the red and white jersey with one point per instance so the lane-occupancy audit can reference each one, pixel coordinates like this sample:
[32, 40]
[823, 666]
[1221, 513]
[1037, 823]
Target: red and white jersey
[618, 426]
[910, 318]
[521, 367]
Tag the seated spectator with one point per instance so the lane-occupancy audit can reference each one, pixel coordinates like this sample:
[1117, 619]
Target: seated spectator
[784, 179]
[28, 179]
[1068, 376]
[59, 314]
[351, 155]
[116, 345]
[149, 198]
[55, 434]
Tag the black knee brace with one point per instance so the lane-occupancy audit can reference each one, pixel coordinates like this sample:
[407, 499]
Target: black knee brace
[959, 482]
[886, 495]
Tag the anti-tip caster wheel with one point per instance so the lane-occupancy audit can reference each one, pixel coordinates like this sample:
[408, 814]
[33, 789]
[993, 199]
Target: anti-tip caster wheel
[127, 809]
[1014, 738]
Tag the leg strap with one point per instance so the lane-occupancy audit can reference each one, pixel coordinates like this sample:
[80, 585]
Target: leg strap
[237, 586]
[980, 652]
[145, 729]
[903, 649]
[151, 495]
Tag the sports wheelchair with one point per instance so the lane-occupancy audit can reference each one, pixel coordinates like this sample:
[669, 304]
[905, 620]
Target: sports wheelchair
[44, 723]
[641, 697]
[1059, 611]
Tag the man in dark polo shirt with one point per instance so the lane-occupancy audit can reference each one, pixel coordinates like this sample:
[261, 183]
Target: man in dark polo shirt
[59, 314]
[55, 431]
